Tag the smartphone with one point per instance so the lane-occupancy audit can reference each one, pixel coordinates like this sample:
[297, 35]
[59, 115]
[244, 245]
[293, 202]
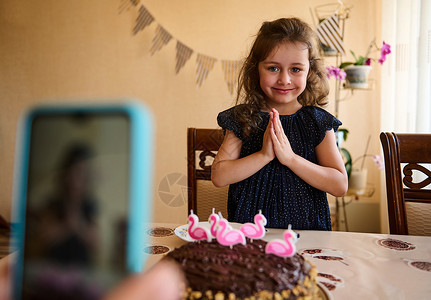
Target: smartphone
[82, 196]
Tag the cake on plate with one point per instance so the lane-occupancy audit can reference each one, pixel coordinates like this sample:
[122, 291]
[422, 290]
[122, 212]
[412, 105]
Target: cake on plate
[243, 271]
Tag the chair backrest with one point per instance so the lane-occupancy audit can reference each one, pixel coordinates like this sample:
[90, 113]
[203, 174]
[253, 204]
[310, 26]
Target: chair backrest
[408, 177]
[202, 146]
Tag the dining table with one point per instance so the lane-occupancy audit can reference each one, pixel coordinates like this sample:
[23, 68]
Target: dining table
[350, 265]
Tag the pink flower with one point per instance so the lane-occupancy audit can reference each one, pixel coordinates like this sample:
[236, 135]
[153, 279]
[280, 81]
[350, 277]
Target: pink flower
[378, 159]
[368, 62]
[335, 72]
[385, 50]
[341, 74]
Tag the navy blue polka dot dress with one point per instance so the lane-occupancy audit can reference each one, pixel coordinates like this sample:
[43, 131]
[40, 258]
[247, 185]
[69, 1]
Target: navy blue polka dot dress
[283, 197]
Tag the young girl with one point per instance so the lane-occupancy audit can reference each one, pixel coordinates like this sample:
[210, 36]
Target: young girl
[279, 154]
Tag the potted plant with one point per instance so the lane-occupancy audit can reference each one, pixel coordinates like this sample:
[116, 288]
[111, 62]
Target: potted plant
[357, 175]
[342, 136]
[356, 72]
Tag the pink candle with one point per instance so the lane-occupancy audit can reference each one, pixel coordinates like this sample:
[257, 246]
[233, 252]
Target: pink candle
[285, 247]
[213, 220]
[197, 232]
[227, 236]
[255, 230]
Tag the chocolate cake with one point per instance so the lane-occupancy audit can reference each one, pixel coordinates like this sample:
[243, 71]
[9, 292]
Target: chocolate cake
[218, 272]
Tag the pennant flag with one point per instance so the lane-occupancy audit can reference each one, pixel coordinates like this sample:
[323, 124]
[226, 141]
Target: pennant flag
[231, 70]
[329, 33]
[143, 20]
[161, 38]
[126, 5]
[182, 56]
[204, 65]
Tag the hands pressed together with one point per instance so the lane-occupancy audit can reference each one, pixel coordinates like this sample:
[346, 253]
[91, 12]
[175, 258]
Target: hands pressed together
[328, 175]
[275, 142]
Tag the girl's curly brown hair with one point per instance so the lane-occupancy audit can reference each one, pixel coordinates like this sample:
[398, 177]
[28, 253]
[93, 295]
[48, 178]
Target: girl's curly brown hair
[270, 35]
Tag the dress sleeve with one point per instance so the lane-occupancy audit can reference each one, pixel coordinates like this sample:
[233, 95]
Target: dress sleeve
[226, 121]
[325, 121]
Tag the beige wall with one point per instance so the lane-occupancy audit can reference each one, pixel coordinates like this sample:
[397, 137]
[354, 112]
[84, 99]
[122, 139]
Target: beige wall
[57, 49]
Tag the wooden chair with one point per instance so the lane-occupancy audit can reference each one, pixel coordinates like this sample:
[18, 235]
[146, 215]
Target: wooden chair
[409, 204]
[4, 223]
[202, 145]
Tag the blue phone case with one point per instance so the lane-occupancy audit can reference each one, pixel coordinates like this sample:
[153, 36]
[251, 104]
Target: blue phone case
[140, 176]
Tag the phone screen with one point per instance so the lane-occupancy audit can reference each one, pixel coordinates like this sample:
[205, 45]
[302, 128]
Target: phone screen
[76, 205]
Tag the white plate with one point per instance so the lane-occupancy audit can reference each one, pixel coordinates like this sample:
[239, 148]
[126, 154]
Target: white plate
[324, 293]
[182, 231]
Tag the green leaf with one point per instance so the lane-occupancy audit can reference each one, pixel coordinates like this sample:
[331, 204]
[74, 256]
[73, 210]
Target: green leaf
[347, 158]
[360, 61]
[345, 64]
[353, 54]
[344, 131]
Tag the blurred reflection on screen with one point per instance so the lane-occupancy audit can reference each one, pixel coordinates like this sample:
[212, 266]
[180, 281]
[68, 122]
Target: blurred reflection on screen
[77, 206]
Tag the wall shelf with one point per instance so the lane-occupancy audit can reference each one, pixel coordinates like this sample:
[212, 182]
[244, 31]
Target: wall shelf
[342, 88]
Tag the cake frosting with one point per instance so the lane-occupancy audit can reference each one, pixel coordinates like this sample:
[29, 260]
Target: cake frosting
[214, 271]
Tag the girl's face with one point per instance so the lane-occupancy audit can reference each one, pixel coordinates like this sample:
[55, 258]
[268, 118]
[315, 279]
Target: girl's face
[283, 76]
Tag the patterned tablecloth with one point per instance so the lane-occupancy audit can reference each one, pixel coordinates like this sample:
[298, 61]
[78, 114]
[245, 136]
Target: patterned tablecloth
[370, 266]
[350, 265]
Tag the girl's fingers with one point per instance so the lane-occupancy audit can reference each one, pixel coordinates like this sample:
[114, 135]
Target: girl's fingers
[271, 123]
[274, 126]
[277, 124]
[274, 136]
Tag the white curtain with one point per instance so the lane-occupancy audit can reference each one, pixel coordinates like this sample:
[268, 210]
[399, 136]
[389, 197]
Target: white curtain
[406, 79]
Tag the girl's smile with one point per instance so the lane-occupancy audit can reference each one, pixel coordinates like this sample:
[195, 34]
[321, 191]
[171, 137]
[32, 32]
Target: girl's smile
[282, 91]
[283, 76]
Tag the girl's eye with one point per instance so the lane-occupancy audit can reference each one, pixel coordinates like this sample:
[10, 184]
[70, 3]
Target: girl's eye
[273, 69]
[296, 70]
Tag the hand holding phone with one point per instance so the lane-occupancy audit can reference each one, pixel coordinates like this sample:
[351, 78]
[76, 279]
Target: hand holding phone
[83, 193]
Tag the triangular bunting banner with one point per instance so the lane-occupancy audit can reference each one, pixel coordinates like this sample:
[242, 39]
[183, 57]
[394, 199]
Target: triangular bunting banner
[183, 55]
[161, 38]
[204, 65]
[143, 20]
[126, 5]
[329, 33]
[231, 70]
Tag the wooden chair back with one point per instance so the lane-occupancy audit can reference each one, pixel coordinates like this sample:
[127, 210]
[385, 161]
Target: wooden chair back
[408, 180]
[203, 196]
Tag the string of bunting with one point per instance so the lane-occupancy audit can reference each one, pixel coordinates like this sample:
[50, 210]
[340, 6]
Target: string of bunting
[204, 63]
[126, 5]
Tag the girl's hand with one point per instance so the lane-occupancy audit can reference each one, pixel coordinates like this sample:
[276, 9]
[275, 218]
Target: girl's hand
[267, 147]
[281, 144]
